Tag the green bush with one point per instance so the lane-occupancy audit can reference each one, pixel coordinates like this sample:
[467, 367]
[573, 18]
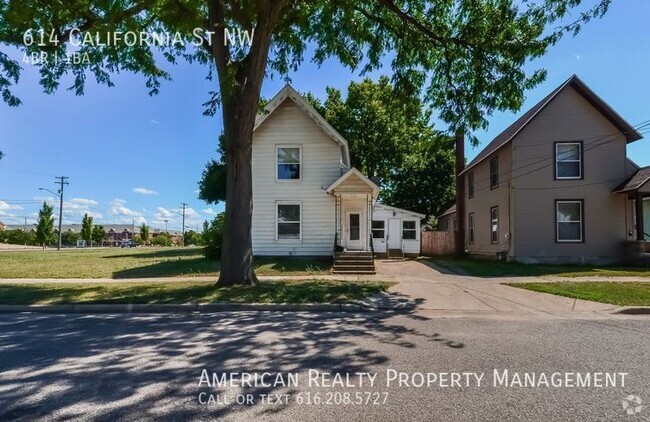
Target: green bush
[213, 236]
[162, 239]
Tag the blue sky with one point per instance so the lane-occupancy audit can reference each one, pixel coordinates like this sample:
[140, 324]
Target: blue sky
[134, 157]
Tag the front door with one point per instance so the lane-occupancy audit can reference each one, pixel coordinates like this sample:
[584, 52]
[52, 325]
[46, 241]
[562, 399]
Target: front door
[353, 240]
[394, 233]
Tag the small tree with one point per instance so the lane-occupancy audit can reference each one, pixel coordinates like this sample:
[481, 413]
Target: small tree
[144, 234]
[45, 225]
[98, 235]
[213, 236]
[69, 238]
[161, 240]
[87, 228]
[193, 238]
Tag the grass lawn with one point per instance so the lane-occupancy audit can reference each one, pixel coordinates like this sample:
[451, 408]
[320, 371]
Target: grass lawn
[305, 291]
[486, 268]
[623, 294]
[138, 263]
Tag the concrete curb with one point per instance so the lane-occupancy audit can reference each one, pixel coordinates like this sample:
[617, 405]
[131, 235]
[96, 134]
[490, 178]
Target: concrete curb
[185, 308]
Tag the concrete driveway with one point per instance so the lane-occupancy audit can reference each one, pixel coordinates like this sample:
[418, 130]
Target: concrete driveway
[436, 292]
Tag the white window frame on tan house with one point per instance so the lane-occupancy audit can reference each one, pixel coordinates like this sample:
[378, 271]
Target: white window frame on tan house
[581, 220]
[559, 161]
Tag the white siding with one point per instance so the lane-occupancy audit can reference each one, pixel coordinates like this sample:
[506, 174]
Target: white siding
[380, 213]
[320, 167]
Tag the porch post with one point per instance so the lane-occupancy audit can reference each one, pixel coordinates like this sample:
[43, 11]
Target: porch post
[638, 206]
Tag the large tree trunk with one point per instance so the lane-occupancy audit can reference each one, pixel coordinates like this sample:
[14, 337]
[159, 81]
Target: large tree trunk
[460, 194]
[237, 250]
[240, 87]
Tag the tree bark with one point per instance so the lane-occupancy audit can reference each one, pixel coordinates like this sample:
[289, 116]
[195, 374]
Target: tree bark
[460, 193]
[240, 96]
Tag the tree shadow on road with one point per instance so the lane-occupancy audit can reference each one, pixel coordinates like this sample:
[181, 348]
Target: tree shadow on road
[112, 367]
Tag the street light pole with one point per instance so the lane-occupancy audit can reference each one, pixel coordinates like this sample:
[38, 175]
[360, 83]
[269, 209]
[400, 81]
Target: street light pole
[62, 181]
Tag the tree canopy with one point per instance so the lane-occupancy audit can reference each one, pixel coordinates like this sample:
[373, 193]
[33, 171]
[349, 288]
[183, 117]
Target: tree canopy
[466, 58]
[45, 225]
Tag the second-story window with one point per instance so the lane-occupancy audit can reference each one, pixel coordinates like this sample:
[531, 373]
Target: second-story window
[568, 160]
[470, 184]
[494, 173]
[288, 159]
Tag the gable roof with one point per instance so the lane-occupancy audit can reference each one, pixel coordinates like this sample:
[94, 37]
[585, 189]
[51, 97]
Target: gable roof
[450, 210]
[576, 83]
[289, 93]
[346, 176]
[637, 180]
[402, 210]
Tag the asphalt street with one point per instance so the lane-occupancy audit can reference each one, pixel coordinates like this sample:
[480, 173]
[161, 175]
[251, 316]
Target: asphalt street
[151, 367]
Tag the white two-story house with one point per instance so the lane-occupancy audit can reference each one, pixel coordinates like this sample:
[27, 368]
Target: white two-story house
[307, 199]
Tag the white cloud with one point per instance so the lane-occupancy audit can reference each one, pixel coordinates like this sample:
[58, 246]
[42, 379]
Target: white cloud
[190, 213]
[578, 56]
[163, 213]
[118, 208]
[82, 201]
[145, 191]
[209, 211]
[154, 121]
[4, 206]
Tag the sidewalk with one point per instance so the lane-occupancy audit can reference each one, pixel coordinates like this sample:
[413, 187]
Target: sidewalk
[441, 294]
[424, 290]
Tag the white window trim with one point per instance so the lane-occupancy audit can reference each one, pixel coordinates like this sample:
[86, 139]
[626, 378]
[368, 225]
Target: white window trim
[579, 161]
[415, 229]
[384, 229]
[558, 222]
[471, 227]
[492, 220]
[277, 236]
[277, 147]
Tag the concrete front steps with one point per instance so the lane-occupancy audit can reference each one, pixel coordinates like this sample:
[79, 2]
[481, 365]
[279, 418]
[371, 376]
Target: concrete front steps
[353, 263]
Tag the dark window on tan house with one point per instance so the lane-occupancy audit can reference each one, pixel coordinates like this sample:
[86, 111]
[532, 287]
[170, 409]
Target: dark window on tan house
[494, 225]
[494, 173]
[568, 160]
[470, 184]
[569, 224]
[470, 223]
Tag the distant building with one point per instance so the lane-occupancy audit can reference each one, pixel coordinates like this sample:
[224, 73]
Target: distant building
[2, 225]
[115, 233]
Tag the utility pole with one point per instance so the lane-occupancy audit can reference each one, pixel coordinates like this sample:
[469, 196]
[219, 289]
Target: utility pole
[62, 181]
[183, 228]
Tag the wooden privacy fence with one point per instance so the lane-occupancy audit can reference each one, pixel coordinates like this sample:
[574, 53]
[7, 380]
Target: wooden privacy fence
[437, 243]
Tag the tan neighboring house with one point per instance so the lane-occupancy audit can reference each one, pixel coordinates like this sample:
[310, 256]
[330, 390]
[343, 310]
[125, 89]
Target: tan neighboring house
[556, 186]
[308, 200]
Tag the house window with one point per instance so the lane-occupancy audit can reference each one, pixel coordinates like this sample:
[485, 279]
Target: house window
[289, 221]
[494, 173]
[568, 160]
[569, 221]
[470, 184]
[408, 230]
[288, 159]
[470, 223]
[494, 224]
[378, 229]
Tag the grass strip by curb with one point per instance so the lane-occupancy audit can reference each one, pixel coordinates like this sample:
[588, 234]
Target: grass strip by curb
[189, 292]
[615, 293]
